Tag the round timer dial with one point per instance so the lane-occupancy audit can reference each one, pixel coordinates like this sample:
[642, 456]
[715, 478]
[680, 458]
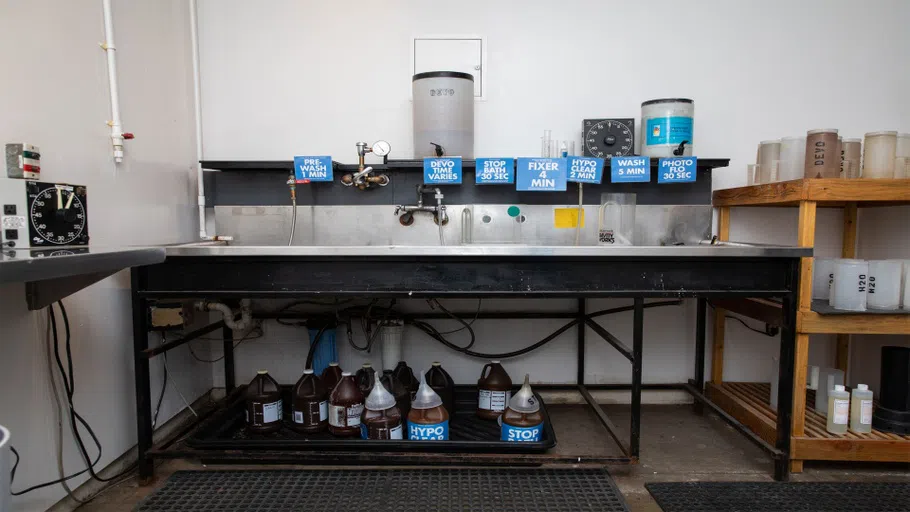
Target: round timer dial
[57, 214]
[606, 138]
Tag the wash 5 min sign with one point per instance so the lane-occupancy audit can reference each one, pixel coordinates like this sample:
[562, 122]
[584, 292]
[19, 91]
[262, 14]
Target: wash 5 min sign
[630, 169]
[541, 175]
[677, 169]
[312, 168]
[442, 171]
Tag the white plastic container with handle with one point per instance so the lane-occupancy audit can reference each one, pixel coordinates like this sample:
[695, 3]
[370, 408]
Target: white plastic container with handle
[884, 290]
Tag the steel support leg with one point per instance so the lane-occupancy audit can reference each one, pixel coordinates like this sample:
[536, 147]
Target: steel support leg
[785, 378]
[700, 320]
[143, 384]
[228, 335]
[637, 342]
[580, 377]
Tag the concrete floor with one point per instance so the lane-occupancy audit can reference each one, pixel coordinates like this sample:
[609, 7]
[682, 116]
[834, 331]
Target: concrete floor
[676, 445]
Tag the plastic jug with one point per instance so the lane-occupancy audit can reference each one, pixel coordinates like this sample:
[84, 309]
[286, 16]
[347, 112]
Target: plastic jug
[345, 407]
[405, 375]
[443, 385]
[330, 376]
[309, 404]
[264, 409]
[494, 390]
[861, 410]
[366, 377]
[380, 419]
[401, 393]
[827, 379]
[522, 421]
[838, 410]
[428, 419]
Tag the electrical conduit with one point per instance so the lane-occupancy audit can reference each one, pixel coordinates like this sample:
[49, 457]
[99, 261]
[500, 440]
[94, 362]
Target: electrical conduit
[197, 103]
[110, 50]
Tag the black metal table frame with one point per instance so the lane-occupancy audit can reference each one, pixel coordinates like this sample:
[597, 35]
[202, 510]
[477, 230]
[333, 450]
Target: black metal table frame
[219, 278]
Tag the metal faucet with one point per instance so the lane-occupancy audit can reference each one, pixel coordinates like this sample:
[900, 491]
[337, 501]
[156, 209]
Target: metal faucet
[406, 211]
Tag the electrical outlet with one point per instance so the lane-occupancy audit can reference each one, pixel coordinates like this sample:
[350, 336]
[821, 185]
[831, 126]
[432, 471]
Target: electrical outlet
[9, 209]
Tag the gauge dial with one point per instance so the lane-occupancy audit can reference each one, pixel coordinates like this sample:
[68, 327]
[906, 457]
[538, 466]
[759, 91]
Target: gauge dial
[381, 148]
[606, 138]
[57, 214]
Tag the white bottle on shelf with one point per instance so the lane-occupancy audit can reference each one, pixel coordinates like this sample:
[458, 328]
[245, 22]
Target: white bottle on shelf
[861, 410]
[838, 409]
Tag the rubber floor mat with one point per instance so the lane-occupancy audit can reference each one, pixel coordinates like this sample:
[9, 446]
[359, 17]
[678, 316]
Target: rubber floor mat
[781, 496]
[393, 490]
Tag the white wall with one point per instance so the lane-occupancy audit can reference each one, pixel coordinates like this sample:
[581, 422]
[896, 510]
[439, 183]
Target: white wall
[54, 93]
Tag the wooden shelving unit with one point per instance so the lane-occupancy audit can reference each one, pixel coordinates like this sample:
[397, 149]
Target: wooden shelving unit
[749, 402]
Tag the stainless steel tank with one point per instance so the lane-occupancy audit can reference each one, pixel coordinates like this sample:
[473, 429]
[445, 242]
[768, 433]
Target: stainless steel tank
[443, 114]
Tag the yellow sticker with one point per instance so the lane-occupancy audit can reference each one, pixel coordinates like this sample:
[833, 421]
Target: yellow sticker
[567, 218]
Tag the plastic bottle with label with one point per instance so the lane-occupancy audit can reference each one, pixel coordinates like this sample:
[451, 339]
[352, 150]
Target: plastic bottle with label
[331, 376]
[522, 421]
[838, 410]
[494, 390]
[380, 419]
[401, 393]
[443, 385]
[345, 407]
[309, 404]
[366, 378]
[264, 409]
[861, 410]
[405, 375]
[428, 419]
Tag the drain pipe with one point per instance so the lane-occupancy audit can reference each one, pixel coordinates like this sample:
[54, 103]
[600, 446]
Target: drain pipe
[246, 313]
[110, 49]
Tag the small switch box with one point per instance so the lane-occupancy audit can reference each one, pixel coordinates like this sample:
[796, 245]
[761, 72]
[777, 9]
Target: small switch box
[23, 161]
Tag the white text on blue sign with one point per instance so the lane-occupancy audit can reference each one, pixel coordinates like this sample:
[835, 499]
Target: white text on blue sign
[630, 169]
[312, 168]
[583, 169]
[494, 171]
[442, 171]
[676, 169]
[541, 175]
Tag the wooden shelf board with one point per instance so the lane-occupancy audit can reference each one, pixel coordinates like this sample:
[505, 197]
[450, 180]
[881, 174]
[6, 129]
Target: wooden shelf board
[826, 192]
[810, 322]
[749, 403]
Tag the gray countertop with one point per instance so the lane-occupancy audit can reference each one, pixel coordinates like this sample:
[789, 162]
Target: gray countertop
[27, 265]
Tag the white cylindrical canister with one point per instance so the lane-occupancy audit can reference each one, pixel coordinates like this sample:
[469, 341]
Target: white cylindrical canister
[792, 158]
[879, 150]
[443, 114]
[851, 155]
[769, 156]
[884, 290]
[848, 289]
[390, 338]
[667, 124]
[822, 275]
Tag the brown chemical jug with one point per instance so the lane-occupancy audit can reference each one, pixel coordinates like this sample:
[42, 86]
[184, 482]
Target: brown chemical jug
[309, 404]
[330, 377]
[401, 393]
[443, 385]
[428, 419]
[366, 378]
[405, 375]
[264, 410]
[522, 420]
[494, 388]
[380, 419]
[345, 407]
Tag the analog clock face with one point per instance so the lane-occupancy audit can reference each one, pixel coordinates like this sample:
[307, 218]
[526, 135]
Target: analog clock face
[57, 214]
[605, 138]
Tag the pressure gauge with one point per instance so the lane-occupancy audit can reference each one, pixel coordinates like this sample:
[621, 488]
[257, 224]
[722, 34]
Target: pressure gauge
[56, 214]
[606, 138]
[381, 148]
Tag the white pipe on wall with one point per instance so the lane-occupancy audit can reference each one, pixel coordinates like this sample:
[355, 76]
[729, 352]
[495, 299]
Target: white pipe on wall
[110, 50]
[197, 100]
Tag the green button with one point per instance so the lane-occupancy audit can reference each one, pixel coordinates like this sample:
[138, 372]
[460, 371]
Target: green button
[513, 211]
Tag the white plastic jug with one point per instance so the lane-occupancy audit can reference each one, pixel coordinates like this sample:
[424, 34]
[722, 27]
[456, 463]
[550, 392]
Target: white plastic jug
[884, 290]
[848, 290]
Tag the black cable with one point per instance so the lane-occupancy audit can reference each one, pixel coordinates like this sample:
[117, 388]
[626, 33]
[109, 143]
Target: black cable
[461, 321]
[246, 337]
[476, 315]
[747, 326]
[163, 388]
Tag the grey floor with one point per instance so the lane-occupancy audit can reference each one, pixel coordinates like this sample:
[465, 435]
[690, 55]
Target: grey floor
[677, 445]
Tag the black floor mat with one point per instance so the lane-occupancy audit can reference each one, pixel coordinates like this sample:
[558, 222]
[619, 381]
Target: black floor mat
[398, 490]
[781, 496]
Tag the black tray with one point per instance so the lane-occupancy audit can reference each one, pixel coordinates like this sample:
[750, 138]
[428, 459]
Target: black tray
[226, 430]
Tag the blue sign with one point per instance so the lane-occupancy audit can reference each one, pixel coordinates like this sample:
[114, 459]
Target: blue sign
[428, 432]
[583, 169]
[312, 168]
[442, 171]
[669, 130]
[676, 169]
[495, 170]
[521, 434]
[630, 169]
[541, 175]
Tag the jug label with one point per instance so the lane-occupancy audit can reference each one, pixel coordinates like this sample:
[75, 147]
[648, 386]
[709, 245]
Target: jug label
[323, 410]
[669, 130]
[494, 400]
[271, 412]
[380, 432]
[428, 432]
[341, 416]
[521, 434]
[865, 408]
[841, 410]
